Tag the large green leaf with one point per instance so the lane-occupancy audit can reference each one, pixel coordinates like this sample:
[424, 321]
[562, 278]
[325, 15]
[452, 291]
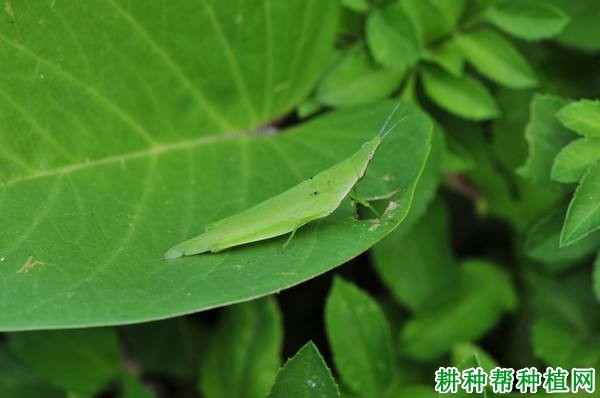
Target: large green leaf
[546, 137]
[597, 276]
[583, 215]
[82, 361]
[243, 355]
[360, 339]
[496, 58]
[305, 375]
[124, 144]
[530, 20]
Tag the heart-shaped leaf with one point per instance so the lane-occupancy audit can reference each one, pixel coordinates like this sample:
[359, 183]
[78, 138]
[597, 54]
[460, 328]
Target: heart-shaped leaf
[116, 146]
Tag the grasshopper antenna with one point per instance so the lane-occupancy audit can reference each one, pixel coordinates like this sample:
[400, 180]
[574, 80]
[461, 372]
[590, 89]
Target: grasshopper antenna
[384, 133]
[387, 121]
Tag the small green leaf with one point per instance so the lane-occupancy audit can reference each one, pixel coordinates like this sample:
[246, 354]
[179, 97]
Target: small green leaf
[529, 20]
[359, 336]
[542, 243]
[496, 58]
[392, 38]
[305, 375]
[419, 265]
[583, 215]
[356, 79]
[546, 137]
[80, 360]
[243, 355]
[482, 295]
[464, 97]
[583, 117]
[573, 160]
[449, 57]
[434, 19]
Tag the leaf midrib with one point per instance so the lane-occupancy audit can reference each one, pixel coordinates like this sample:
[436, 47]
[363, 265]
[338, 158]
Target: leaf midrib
[152, 151]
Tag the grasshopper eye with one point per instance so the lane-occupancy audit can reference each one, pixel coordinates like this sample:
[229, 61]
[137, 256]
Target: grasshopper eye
[314, 193]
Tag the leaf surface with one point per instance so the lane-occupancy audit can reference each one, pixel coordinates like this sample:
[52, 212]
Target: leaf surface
[461, 96]
[497, 59]
[529, 20]
[583, 215]
[123, 146]
[305, 375]
[583, 117]
[243, 355]
[80, 360]
[360, 339]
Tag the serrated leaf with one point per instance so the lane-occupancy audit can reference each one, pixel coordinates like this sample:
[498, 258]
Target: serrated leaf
[464, 96]
[83, 361]
[305, 375]
[574, 159]
[392, 38]
[360, 340]
[116, 228]
[583, 215]
[483, 294]
[243, 355]
[496, 58]
[542, 243]
[583, 117]
[418, 265]
[545, 135]
[434, 19]
[356, 79]
[18, 381]
[529, 20]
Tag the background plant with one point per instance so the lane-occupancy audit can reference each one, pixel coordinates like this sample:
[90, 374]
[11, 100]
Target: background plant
[124, 129]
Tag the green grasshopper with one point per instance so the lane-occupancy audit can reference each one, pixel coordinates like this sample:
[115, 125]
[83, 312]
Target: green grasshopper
[308, 201]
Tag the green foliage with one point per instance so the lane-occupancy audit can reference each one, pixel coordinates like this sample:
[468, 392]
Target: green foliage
[360, 340]
[125, 129]
[529, 20]
[243, 356]
[305, 375]
[494, 57]
[81, 361]
[482, 295]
